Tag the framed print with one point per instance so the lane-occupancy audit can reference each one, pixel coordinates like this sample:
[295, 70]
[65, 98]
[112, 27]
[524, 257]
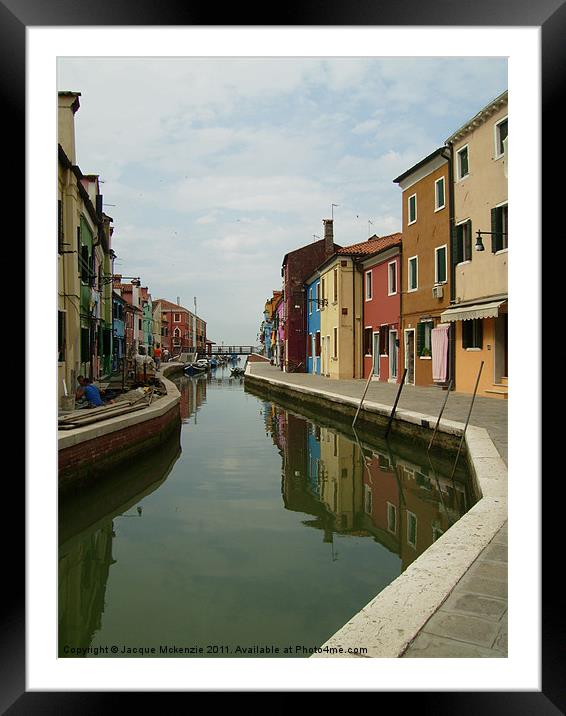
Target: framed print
[44, 47]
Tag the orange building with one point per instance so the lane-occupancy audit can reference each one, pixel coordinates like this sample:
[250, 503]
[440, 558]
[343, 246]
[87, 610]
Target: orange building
[425, 277]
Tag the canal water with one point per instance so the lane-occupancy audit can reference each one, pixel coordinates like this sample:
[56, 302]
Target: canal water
[254, 531]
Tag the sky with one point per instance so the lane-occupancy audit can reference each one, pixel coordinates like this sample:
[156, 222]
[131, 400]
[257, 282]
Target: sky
[214, 168]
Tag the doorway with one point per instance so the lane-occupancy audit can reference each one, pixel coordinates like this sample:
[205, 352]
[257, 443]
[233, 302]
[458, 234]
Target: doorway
[410, 355]
[376, 358]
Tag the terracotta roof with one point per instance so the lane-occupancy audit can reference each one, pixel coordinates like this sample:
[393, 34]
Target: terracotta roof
[372, 246]
[168, 305]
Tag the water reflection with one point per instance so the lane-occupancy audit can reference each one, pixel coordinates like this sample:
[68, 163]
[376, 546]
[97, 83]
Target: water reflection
[359, 490]
[269, 527]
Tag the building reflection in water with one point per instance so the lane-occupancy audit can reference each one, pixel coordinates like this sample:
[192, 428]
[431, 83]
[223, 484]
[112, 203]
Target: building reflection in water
[363, 491]
[87, 523]
[193, 395]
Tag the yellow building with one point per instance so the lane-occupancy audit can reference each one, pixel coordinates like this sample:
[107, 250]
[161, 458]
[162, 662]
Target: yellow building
[84, 265]
[480, 251]
[340, 485]
[340, 317]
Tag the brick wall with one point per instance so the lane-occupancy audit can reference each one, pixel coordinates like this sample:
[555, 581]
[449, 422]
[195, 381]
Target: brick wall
[88, 460]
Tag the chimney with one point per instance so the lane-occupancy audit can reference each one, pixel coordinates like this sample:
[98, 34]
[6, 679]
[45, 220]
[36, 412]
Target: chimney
[328, 236]
[68, 104]
[178, 301]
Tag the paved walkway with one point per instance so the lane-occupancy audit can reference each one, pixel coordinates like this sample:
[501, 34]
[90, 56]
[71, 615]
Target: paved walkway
[472, 621]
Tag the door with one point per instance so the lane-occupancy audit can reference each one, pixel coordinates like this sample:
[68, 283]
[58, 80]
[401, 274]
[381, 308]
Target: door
[410, 355]
[323, 355]
[327, 355]
[393, 354]
[375, 350]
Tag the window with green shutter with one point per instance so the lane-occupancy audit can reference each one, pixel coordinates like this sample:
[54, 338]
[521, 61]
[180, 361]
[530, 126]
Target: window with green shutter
[463, 242]
[499, 228]
[440, 264]
[424, 339]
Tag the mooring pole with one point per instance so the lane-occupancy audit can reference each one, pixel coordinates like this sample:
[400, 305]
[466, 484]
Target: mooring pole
[362, 400]
[440, 414]
[395, 403]
[467, 420]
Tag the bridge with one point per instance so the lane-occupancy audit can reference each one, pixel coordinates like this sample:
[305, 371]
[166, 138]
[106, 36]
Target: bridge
[214, 350]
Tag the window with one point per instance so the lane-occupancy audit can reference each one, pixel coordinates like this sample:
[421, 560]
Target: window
[318, 296]
[424, 336]
[412, 207]
[323, 289]
[439, 195]
[463, 242]
[84, 264]
[85, 345]
[411, 529]
[335, 342]
[392, 278]
[391, 517]
[367, 499]
[310, 301]
[383, 340]
[177, 318]
[413, 273]
[500, 137]
[440, 264]
[60, 236]
[61, 336]
[368, 286]
[335, 272]
[499, 228]
[140, 323]
[367, 341]
[472, 333]
[462, 162]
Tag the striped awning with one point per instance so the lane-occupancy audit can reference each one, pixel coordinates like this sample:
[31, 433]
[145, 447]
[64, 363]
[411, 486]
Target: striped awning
[467, 313]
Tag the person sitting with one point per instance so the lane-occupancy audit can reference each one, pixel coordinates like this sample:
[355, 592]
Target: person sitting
[80, 392]
[92, 394]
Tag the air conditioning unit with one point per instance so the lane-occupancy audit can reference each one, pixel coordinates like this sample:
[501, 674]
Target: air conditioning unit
[438, 291]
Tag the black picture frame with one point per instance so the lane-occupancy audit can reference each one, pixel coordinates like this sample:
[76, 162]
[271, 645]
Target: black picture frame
[15, 17]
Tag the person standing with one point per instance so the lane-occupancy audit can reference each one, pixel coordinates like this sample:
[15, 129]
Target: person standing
[157, 356]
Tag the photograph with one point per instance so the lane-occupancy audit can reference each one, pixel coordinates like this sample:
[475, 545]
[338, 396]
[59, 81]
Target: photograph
[252, 253]
[288, 378]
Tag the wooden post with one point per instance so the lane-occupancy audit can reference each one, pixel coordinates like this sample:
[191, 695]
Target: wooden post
[395, 403]
[467, 420]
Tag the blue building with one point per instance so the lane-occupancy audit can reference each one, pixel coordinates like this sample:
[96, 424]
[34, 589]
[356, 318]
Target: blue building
[312, 287]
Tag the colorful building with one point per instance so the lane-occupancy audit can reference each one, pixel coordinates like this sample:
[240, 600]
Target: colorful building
[479, 302]
[297, 266]
[342, 303]
[426, 279]
[381, 302]
[314, 303]
[85, 262]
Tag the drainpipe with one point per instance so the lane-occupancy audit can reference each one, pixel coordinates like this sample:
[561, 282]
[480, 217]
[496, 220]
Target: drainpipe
[452, 330]
[354, 356]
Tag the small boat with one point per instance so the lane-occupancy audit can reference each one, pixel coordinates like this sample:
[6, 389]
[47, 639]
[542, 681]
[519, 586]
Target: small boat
[192, 369]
